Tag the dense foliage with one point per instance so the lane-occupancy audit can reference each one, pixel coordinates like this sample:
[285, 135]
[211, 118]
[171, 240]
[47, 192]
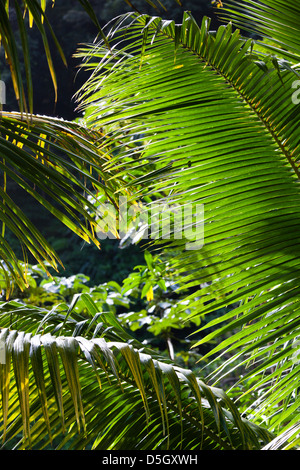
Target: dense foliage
[73, 26]
[172, 114]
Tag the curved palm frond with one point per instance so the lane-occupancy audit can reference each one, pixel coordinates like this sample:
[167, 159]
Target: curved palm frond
[275, 21]
[36, 14]
[31, 149]
[105, 392]
[35, 11]
[216, 125]
[59, 164]
[286, 440]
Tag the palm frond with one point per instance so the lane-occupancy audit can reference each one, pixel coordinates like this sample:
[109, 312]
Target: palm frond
[31, 13]
[105, 392]
[214, 124]
[286, 440]
[35, 12]
[52, 160]
[275, 21]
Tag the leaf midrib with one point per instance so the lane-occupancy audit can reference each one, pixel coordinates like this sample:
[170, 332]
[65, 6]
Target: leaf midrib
[209, 63]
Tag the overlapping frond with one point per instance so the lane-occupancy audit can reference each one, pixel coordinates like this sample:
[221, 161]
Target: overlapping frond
[196, 117]
[215, 124]
[27, 14]
[59, 164]
[103, 391]
[35, 11]
[275, 21]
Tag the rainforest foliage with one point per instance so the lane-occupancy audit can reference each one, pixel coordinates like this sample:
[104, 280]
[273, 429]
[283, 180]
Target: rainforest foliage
[186, 337]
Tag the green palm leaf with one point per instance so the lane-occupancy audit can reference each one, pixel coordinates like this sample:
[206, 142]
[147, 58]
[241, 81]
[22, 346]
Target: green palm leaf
[138, 400]
[274, 20]
[214, 124]
[35, 12]
[51, 160]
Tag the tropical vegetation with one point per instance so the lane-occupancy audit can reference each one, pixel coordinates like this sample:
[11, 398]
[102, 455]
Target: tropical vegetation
[174, 115]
